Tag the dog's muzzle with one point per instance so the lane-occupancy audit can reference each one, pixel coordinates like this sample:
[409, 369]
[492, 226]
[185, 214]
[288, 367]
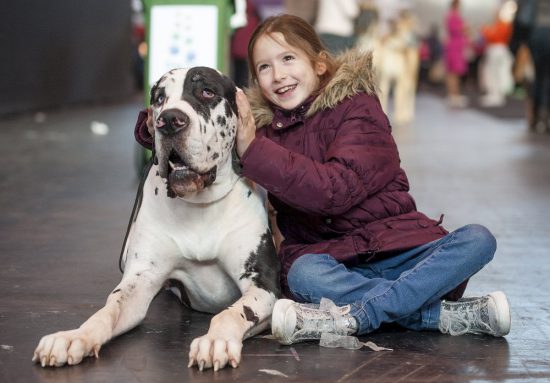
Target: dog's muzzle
[172, 127]
[183, 180]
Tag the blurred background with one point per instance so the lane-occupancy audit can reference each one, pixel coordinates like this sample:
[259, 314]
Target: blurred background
[466, 85]
[476, 54]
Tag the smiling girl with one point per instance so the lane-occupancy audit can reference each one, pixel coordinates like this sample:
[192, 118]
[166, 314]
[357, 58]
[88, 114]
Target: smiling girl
[313, 134]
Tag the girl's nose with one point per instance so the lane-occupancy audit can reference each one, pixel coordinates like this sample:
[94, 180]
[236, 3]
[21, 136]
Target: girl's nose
[278, 74]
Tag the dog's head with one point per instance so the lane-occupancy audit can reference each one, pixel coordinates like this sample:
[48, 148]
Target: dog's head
[195, 120]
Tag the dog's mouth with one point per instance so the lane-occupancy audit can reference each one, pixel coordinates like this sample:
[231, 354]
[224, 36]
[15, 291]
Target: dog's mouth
[182, 179]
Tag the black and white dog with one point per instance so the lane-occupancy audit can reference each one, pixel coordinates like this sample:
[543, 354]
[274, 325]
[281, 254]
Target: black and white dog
[195, 222]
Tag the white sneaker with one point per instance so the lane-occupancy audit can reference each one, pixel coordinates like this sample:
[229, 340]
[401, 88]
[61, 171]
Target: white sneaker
[489, 314]
[293, 322]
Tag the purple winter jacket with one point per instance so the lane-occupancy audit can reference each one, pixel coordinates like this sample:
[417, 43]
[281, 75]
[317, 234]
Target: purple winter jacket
[332, 170]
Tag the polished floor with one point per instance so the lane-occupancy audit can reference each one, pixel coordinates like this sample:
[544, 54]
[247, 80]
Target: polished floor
[66, 196]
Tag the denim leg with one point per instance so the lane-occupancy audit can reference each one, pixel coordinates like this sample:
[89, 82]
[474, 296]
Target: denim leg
[405, 288]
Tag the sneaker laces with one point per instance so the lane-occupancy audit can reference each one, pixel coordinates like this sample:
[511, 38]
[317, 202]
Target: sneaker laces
[464, 316]
[340, 321]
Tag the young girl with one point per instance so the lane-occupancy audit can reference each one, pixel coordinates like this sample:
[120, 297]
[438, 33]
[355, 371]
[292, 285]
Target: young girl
[313, 134]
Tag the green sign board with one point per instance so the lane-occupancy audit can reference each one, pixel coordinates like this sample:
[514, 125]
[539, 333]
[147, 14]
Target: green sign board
[183, 34]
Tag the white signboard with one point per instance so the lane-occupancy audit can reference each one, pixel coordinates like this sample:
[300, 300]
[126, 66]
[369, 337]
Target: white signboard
[182, 36]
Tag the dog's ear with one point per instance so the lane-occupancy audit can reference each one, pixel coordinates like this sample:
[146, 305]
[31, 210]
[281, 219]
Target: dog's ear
[152, 93]
[230, 91]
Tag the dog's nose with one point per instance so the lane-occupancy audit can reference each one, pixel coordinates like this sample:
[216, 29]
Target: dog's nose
[172, 121]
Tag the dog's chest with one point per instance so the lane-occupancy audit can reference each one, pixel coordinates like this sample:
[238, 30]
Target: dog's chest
[202, 231]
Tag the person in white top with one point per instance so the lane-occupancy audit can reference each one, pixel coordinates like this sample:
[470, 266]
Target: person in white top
[335, 24]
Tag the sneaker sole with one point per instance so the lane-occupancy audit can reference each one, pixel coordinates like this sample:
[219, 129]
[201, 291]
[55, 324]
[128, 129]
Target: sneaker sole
[503, 312]
[278, 321]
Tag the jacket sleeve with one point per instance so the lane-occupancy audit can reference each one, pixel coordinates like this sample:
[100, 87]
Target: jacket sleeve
[360, 160]
[141, 133]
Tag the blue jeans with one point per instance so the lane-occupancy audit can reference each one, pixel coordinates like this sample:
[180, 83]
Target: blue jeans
[406, 288]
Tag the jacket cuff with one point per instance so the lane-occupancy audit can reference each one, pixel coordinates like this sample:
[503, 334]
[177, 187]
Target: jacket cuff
[141, 133]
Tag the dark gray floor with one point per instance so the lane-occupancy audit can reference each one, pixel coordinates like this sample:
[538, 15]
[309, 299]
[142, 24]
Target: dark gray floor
[66, 195]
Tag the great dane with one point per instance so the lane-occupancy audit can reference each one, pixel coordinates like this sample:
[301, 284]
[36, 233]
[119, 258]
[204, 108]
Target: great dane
[196, 223]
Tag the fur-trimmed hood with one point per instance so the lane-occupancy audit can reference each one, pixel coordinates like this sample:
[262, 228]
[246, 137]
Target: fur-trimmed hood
[354, 74]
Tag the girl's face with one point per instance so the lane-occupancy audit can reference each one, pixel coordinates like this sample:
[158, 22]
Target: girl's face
[285, 74]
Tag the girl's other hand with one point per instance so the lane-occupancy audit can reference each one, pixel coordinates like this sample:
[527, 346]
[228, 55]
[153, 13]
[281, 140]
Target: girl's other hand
[150, 125]
[246, 127]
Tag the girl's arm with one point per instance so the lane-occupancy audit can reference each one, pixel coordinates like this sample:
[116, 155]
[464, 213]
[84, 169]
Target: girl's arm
[360, 161]
[246, 126]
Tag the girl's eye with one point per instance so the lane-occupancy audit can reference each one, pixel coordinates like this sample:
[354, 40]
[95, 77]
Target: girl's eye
[288, 58]
[207, 93]
[262, 67]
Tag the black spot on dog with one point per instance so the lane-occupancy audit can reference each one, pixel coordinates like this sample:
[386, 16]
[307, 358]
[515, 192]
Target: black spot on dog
[169, 192]
[221, 120]
[222, 133]
[215, 156]
[156, 191]
[207, 148]
[228, 111]
[153, 264]
[263, 265]
[249, 194]
[136, 256]
[250, 315]
[156, 162]
[158, 94]
[138, 274]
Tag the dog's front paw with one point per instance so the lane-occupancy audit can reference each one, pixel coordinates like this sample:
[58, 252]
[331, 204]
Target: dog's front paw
[64, 347]
[210, 352]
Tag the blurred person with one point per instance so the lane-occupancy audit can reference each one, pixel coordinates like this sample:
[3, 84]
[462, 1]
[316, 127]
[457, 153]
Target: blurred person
[397, 66]
[335, 24]
[432, 68]
[456, 64]
[239, 41]
[366, 25]
[306, 9]
[539, 45]
[390, 66]
[531, 29]
[406, 99]
[523, 68]
[496, 65]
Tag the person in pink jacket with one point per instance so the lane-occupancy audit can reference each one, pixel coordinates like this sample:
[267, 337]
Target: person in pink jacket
[456, 64]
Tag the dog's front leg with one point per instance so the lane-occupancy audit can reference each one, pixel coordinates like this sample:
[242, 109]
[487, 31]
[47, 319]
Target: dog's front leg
[126, 306]
[224, 340]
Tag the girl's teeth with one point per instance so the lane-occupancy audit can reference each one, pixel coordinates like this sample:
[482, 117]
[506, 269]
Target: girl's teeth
[285, 89]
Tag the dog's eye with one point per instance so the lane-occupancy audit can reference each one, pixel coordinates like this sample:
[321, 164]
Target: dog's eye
[160, 99]
[207, 93]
